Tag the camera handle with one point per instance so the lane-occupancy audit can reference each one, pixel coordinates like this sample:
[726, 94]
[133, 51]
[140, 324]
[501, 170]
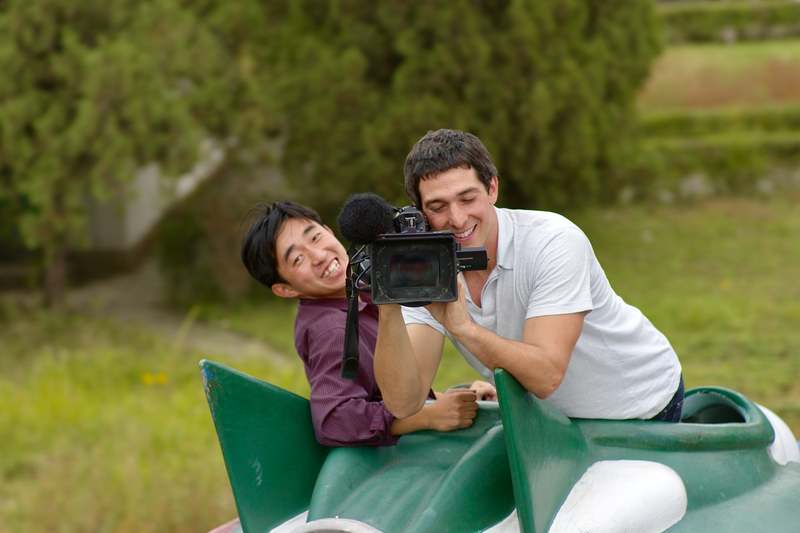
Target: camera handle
[350, 353]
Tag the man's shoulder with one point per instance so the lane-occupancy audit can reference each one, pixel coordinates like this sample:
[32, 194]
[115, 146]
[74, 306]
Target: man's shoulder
[529, 219]
[532, 231]
[317, 317]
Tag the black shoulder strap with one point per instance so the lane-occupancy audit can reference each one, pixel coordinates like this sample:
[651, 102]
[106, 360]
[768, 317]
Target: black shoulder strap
[350, 354]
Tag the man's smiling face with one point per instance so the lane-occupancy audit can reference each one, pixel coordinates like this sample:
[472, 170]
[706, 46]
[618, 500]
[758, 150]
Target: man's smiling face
[311, 260]
[456, 200]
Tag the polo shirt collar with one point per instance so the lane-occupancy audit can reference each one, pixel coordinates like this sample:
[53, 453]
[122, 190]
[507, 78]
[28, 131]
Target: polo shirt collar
[505, 239]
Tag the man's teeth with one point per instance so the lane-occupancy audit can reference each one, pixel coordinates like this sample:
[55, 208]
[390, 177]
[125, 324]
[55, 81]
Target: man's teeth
[465, 233]
[333, 268]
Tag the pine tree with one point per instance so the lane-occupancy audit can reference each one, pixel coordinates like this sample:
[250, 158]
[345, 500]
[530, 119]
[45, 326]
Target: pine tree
[93, 90]
[548, 86]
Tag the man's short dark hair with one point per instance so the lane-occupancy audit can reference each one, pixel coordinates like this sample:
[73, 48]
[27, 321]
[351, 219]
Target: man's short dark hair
[441, 150]
[258, 245]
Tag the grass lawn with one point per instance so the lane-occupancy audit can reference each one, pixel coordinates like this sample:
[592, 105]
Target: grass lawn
[106, 427]
[704, 76]
[270, 319]
[721, 281]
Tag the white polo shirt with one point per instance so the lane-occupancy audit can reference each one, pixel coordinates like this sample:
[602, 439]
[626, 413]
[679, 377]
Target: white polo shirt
[622, 366]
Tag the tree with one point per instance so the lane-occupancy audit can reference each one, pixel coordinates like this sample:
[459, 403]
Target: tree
[93, 90]
[549, 86]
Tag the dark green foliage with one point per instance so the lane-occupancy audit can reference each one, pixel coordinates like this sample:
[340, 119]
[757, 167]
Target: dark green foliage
[198, 242]
[730, 21]
[90, 90]
[93, 90]
[184, 260]
[10, 239]
[548, 86]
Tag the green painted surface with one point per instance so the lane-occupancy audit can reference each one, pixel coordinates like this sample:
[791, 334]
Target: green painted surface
[546, 451]
[522, 452]
[457, 481]
[720, 451]
[268, 445]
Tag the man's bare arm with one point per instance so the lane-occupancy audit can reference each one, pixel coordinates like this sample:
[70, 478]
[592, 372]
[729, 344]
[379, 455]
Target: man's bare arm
[406, 360]
[539, 362]
[453, 409]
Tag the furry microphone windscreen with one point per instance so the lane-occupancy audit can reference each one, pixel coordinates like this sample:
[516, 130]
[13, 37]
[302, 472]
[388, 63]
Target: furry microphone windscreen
[365, 216]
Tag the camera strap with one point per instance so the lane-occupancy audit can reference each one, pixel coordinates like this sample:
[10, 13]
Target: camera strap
[350, 354]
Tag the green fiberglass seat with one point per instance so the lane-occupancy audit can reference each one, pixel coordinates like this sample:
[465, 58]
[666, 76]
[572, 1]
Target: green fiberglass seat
[521, 466]
[268, 444]
[717, 470]
[281, 478]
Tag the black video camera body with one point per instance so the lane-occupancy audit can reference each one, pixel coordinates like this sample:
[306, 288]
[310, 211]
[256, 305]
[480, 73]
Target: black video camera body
[399, 259]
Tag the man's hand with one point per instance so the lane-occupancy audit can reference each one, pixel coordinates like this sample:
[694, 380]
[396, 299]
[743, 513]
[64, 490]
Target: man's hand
[538, 361]
[453, 315]
[484, 390]
[453, 409]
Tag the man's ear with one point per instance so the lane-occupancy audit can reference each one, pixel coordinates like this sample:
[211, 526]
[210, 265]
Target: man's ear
[284, 290]
[494, 188]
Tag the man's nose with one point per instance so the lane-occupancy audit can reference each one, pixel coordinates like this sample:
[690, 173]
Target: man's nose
[317, 255]
[457, 218]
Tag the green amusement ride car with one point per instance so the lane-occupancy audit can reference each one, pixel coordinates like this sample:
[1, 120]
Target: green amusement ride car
[728, 466]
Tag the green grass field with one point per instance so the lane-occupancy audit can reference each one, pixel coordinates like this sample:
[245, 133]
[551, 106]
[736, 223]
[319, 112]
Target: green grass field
[721, 280]
[105, 428]
[718, 75]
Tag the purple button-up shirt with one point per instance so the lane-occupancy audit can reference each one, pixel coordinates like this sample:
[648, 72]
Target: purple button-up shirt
[344, 412]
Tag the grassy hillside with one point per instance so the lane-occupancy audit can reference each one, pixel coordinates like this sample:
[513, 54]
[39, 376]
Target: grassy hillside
[720, 279]
[703, 76]
[725, 115]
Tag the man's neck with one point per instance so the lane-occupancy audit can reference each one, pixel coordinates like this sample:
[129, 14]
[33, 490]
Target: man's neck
[476, 279]
[492, 245]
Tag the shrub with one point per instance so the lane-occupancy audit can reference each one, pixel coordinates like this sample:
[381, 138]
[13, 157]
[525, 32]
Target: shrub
[548, 86]
[183, 259]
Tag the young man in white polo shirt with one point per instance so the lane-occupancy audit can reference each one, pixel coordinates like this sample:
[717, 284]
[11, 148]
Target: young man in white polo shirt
[543, 309]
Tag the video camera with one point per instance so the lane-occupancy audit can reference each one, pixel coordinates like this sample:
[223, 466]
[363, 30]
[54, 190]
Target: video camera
[396, 257]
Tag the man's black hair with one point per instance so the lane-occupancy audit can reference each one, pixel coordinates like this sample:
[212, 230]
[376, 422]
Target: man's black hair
[441, 150]
[258, 245]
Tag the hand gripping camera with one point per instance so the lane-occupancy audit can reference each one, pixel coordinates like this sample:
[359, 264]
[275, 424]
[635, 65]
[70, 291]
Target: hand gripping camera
[397, 258]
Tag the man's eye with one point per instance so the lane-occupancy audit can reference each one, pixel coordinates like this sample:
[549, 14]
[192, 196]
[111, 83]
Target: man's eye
[316, 237]
[297, 260]
[437, 208]
[468, 199]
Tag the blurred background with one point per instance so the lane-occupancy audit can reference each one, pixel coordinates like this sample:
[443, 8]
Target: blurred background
[135, 137]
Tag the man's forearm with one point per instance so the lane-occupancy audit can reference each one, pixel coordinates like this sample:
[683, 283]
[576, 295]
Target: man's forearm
[532, 365]
[396, 368]
[416, 422]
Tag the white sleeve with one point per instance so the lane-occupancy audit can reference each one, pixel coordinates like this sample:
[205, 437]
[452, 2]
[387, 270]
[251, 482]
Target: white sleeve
[561, 281]
[420, 315]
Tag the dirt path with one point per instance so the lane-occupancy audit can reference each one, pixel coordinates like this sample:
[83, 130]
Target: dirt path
[136, 299]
